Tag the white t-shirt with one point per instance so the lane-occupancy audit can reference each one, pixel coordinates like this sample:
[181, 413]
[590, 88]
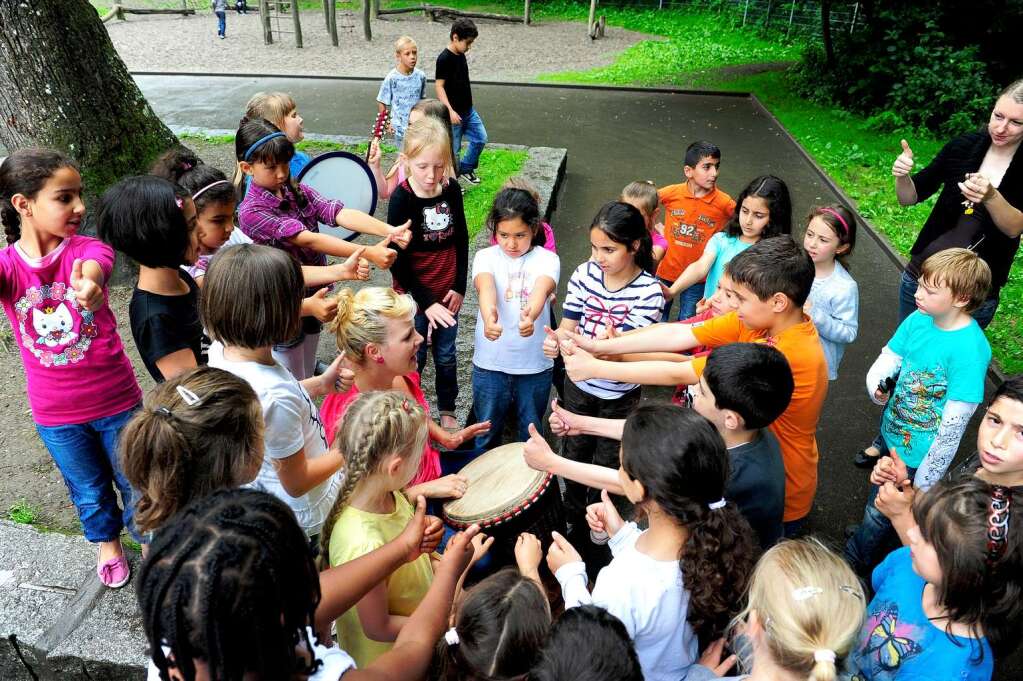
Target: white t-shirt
[292, 423]
[514, 279]
[648, 596]
[335, 662]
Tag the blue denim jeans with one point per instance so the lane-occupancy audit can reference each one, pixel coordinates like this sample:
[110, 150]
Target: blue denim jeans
[221, 23]
[874, 536]
[471, 128]
[687, 300]
[86, 456]
[907, 303]
[495, 392]
[445, 361]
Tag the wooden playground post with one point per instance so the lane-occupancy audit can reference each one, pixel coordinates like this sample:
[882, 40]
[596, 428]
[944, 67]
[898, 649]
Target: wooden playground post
[326, 14]
[367, 29]
[593, 14]
[298, 23]
[525, 14]
[374, 9]
[264, 18]
[332, 22]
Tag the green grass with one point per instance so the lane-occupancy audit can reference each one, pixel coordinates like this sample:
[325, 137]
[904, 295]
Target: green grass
[23, 512]
[496, 166]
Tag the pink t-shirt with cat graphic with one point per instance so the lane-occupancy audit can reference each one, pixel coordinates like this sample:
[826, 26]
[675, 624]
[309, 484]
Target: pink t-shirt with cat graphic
[75, 365]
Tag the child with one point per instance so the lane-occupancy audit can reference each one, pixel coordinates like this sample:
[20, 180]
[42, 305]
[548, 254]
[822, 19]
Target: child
[251, 301]
[834, 302]
[518, 182]
[498, 628]
[433, 268]
[279, 212]
[802, 616]
[612, 290]
[770, 282]
[230, 591]
[403, 86]
[643, 197]
[763, 210]
[609, 654]
[280, 109]
[950, 600]
[220, 9]
[81, 386]
[514, 280]
[425, 108]
[196, 433]
[455, 90]
[152, 221]
[677, 583]
[937, 361]
[382, 438]
[998, 459]
[376, 334]
[743, 389]
[693, 212]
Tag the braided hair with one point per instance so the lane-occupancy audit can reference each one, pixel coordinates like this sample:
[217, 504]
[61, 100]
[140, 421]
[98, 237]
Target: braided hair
[230, 581]
[198, 432]
[682, 463]
[375, 425]
[25, 172]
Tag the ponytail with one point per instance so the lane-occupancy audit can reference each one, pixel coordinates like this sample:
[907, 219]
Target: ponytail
[204, 183]
[682, 463]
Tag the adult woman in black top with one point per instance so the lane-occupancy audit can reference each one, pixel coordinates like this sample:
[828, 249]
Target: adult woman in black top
[981, 180]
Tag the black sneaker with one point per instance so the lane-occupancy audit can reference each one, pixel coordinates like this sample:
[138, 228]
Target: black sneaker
[471, 177]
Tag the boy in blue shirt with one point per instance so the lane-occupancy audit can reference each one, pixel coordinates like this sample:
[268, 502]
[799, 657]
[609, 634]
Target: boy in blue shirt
[930, 377]
[403, 87]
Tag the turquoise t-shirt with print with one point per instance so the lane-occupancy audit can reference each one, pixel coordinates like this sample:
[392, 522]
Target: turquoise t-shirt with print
[725, 248]
[937, 366]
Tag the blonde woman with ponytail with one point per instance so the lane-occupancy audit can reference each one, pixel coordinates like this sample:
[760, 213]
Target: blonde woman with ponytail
[374, 329]
[804, 612]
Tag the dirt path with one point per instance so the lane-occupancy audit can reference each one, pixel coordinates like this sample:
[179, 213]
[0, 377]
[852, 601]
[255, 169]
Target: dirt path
[502, 52]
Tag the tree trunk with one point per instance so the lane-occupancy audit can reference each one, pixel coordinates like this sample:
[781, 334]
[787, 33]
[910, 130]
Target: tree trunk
[63, 86]
[829, 47]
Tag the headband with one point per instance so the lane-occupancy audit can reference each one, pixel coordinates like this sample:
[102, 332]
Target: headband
[260, 142]
[998, 522]
[845, 225]
[211, 185]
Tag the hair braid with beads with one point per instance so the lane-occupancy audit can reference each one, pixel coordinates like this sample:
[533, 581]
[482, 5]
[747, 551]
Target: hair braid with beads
[375, 425]
[229, 581]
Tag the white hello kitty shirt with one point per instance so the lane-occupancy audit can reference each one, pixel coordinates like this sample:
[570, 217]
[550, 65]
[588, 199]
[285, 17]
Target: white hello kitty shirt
[75, 364]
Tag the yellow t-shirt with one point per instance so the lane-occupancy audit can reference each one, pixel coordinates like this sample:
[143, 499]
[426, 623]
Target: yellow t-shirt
[796, 428]
[689, 223]
[355, 534]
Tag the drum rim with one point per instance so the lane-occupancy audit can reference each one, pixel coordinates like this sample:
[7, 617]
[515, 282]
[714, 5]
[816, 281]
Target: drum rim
[361, 163]
[505, 516]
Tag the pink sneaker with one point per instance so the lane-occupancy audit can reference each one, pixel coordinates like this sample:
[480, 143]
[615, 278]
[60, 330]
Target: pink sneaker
[114, 573]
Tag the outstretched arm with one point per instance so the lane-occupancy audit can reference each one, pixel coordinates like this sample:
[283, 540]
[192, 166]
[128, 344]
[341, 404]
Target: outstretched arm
[581, 365]
[696, 272]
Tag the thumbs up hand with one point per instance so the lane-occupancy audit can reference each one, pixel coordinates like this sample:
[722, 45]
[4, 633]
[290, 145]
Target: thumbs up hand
[525, 324]
[550, 343]
[87, 292]
[903, 165]
[492, 329]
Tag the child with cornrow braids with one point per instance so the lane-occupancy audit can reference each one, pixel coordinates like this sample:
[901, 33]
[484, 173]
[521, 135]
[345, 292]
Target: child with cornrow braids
[381, 437]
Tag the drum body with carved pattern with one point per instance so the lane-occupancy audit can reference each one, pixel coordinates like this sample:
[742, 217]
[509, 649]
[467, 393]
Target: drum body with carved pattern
[339, 175]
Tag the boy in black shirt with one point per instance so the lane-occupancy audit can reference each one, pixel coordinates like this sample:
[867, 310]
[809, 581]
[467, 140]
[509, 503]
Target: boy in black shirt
[455, 91]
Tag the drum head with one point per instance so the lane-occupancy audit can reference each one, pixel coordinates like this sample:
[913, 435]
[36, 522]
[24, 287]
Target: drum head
[345, 177]
[501, 486]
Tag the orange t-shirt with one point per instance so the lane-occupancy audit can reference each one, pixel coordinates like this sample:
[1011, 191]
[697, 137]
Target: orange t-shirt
[689, 223]
[796, 428]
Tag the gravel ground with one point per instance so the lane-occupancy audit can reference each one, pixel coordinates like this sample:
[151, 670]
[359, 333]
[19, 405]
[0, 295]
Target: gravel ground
[190, 44]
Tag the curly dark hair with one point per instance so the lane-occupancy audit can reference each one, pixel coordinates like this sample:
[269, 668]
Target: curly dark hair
[26, 171]
[775, 192]
[682, 463]
[230, 580]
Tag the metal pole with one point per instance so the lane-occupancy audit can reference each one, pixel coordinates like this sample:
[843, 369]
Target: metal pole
[767, 20]
[745, 12]
[852, 24]
[792, 13]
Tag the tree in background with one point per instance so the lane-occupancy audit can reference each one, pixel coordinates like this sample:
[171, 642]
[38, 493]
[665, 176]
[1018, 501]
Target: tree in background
[63, 86]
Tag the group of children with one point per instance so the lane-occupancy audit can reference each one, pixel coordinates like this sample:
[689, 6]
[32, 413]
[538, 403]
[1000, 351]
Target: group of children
[267, 519]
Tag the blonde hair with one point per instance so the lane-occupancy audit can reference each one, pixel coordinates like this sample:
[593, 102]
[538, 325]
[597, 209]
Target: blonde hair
[424, 134]
[196, 433]
[403, 42]
[810, 606]
[362, 318]
[375, 425]
[1014, 91]
[273, 106]
[644, 193]
[964, 272]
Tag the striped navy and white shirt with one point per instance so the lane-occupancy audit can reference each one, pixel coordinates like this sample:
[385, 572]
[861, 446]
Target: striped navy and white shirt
[593, 306]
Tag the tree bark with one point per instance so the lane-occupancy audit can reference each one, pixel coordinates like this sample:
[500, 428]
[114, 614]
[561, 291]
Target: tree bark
[829, 47]
[63, 86]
